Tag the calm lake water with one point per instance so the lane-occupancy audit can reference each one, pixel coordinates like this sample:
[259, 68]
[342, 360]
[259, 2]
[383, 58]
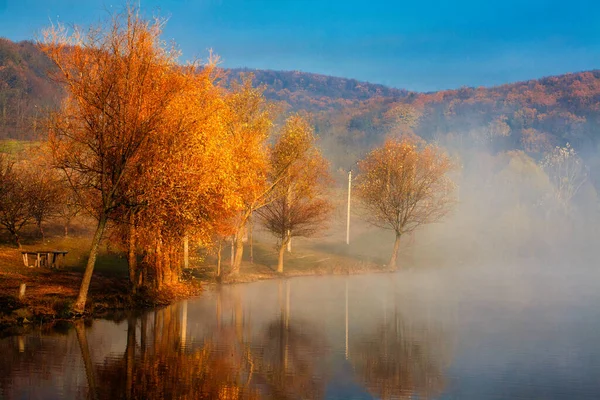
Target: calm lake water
[517, 333]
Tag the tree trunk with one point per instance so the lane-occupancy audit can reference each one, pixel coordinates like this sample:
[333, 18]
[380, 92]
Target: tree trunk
[131, 256]
[393, 266]
[41, 229]
[159, 276]
[281, 253]
[251, 227]
[167, 265]
[219, 260]
[79, 306]
[186, 252]
[239, 248]
[18, 240]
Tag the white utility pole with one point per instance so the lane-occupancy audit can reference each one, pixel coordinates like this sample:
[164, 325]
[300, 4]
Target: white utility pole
[348, 217]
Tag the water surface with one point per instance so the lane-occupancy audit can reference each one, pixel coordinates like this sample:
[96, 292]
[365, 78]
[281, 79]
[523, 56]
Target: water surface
[521, 333]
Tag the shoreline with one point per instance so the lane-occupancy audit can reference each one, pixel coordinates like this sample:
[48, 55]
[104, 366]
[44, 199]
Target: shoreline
[48, 302]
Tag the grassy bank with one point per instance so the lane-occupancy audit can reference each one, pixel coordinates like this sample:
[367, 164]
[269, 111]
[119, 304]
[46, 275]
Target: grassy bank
[49, 294]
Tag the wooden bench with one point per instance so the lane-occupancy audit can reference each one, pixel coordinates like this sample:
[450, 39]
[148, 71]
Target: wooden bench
[44, 258]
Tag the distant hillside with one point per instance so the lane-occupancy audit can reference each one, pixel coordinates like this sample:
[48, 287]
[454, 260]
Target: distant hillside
[351, 116]
[313, 92]
[25, 89]
[533, 116]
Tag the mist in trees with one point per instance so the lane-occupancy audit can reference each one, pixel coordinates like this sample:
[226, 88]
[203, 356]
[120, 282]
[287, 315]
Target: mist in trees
[401, 187]
[26, 195]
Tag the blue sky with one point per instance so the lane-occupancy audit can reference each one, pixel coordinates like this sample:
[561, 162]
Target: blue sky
[418, 45]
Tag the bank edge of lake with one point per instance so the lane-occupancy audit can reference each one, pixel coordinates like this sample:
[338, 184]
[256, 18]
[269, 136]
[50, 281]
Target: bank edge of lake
[49, 294]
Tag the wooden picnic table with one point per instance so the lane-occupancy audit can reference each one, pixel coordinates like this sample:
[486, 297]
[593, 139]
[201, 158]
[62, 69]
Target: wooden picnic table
[44, 258]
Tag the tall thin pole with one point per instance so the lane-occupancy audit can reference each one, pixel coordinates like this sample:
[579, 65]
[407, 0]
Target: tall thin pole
[348, 217]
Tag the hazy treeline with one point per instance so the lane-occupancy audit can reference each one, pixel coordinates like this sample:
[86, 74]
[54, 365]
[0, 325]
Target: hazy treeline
[33, 193]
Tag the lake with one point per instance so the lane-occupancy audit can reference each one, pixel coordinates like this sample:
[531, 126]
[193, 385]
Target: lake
[499, 332]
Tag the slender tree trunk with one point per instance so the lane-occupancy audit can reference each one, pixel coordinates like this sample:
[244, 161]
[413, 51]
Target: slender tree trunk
[393, 261]
[79, 306]
[41, 229]
[18, 240]
[219, 260]
[251, 227]
[167, 265]
[239, 248]
[13, 231]
[281, 253]
[186, 252]
[131, 255]
[159, 265]
[66, 229]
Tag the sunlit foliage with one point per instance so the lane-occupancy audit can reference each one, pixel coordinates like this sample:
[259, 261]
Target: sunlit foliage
[402, 186]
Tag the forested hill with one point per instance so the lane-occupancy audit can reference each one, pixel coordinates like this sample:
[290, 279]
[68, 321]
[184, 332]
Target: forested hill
[25, 89]
[314, 92]
[350, 115]
[534, 115]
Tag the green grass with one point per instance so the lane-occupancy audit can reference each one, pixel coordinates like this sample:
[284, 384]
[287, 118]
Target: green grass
[110, 261]
[12, 146]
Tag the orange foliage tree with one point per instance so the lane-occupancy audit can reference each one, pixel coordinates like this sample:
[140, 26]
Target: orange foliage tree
[298, 206]
[121, 82]
[186, 186]
[402, 186]
[248, 125]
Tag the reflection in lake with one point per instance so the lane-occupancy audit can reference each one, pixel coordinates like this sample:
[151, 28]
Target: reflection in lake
[375, 336]
[305, 338]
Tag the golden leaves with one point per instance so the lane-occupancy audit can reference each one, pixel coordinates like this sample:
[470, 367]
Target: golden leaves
[402, 186]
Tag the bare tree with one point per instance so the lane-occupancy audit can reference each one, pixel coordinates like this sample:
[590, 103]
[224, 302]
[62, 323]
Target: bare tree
[15, 211]
[402, 186]
[567, 174]
[44, 193]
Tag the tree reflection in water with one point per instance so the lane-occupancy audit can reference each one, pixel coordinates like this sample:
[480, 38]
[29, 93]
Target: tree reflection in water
[277, 363]
[403, 359]
[212, 369]
[224, 353]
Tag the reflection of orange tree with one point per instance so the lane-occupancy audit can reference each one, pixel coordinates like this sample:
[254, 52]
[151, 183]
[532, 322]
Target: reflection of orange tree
[402, 360]
[282, 357]
[215, 369]
[224, 365]
[286, 361]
